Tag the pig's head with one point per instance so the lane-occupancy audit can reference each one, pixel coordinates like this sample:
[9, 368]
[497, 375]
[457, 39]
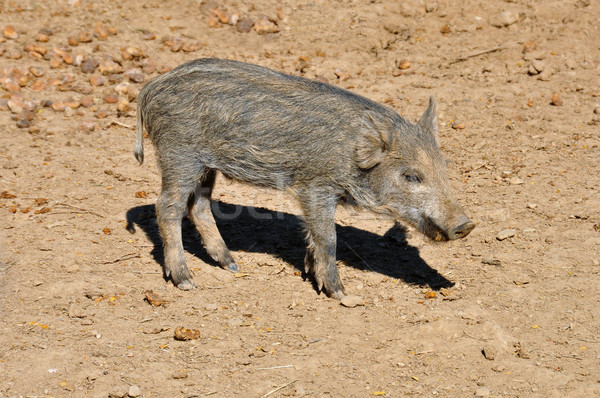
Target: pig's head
[406, 174]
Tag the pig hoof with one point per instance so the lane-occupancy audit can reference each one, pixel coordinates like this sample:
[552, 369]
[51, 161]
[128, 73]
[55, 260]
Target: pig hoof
[187, 285]
[338, 295]
[233, 267]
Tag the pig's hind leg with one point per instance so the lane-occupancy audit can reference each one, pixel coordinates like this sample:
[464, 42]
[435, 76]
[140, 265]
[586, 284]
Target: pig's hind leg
[200, 213]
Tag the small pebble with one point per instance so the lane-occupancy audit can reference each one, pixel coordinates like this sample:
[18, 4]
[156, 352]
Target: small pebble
[37, 71]
[75, 311]
[505, 18]
[403, 64]
[342, 74]
[9, 32]
[491, 261]
[244, 25]
[352, 301]
[537, 66]
[89, 65]
[597, 110]
[23, 123]
[556, 100]
[489, 352]
[88, 126]
[135, 75]
[516, 181]
[111, 98]
[482, 392]
[72, 41]
[505, 234]
[264, 26]
[123, 105]
[458, 125]
[529, 46]
[86, 102]
[134, 391]
[84, 37]
[97, 81]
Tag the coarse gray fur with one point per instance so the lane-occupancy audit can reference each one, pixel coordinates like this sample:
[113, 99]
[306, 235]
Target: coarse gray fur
[270, 129]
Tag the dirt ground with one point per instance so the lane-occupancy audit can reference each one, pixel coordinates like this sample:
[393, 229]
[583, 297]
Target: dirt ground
[512, 310]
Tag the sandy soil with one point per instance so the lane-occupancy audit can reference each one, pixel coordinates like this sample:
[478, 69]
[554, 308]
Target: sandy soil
[482, 316]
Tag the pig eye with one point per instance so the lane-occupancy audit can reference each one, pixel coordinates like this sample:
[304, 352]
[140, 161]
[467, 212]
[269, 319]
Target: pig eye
[413, 178]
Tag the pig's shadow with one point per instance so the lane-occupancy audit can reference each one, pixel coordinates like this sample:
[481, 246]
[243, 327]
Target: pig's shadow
[258, 230]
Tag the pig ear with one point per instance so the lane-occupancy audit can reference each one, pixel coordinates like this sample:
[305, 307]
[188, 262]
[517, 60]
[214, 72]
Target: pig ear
[373, 141]
[428, 122]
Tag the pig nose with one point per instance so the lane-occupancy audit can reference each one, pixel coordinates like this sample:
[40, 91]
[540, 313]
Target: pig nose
[462, 230]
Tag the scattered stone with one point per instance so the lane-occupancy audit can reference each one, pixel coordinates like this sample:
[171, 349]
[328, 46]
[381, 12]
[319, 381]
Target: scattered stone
[431, 6]
[15, 106]
[10, 33]
[482, 392]
[84, 37]
[147, 35]
[101, 113]
[446, 29]
[123, 105]
[352, 301]
[37, 71]
[27, 115]
[210, 307]
[154, 299]
[505, 18]
[97, 81]
[111, 98]
[244, 25]
[516, 181]
[134, 391]
[430, 295]
[129, 53]
[88, 126]
[597, 110]
[458, 125]
[545, 75]
[491, 261]
[109, 67]
[403, 64]
[135, 75]
[75, 311]
[529, 46]
[264, 26]
[537, 66]
[505, 234]
[100, 31]
[183, 334]
[72, 103]
[489, 352]
[521, 351]
[86, 102]
[118, 391]
[23, 123]
[179, 375]
[72, 41]
[89, 65]
[342, 74]
[42, 38]
[556, 100]
[14, 54]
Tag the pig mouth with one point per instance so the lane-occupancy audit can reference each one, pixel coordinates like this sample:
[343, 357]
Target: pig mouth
[432, 230]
